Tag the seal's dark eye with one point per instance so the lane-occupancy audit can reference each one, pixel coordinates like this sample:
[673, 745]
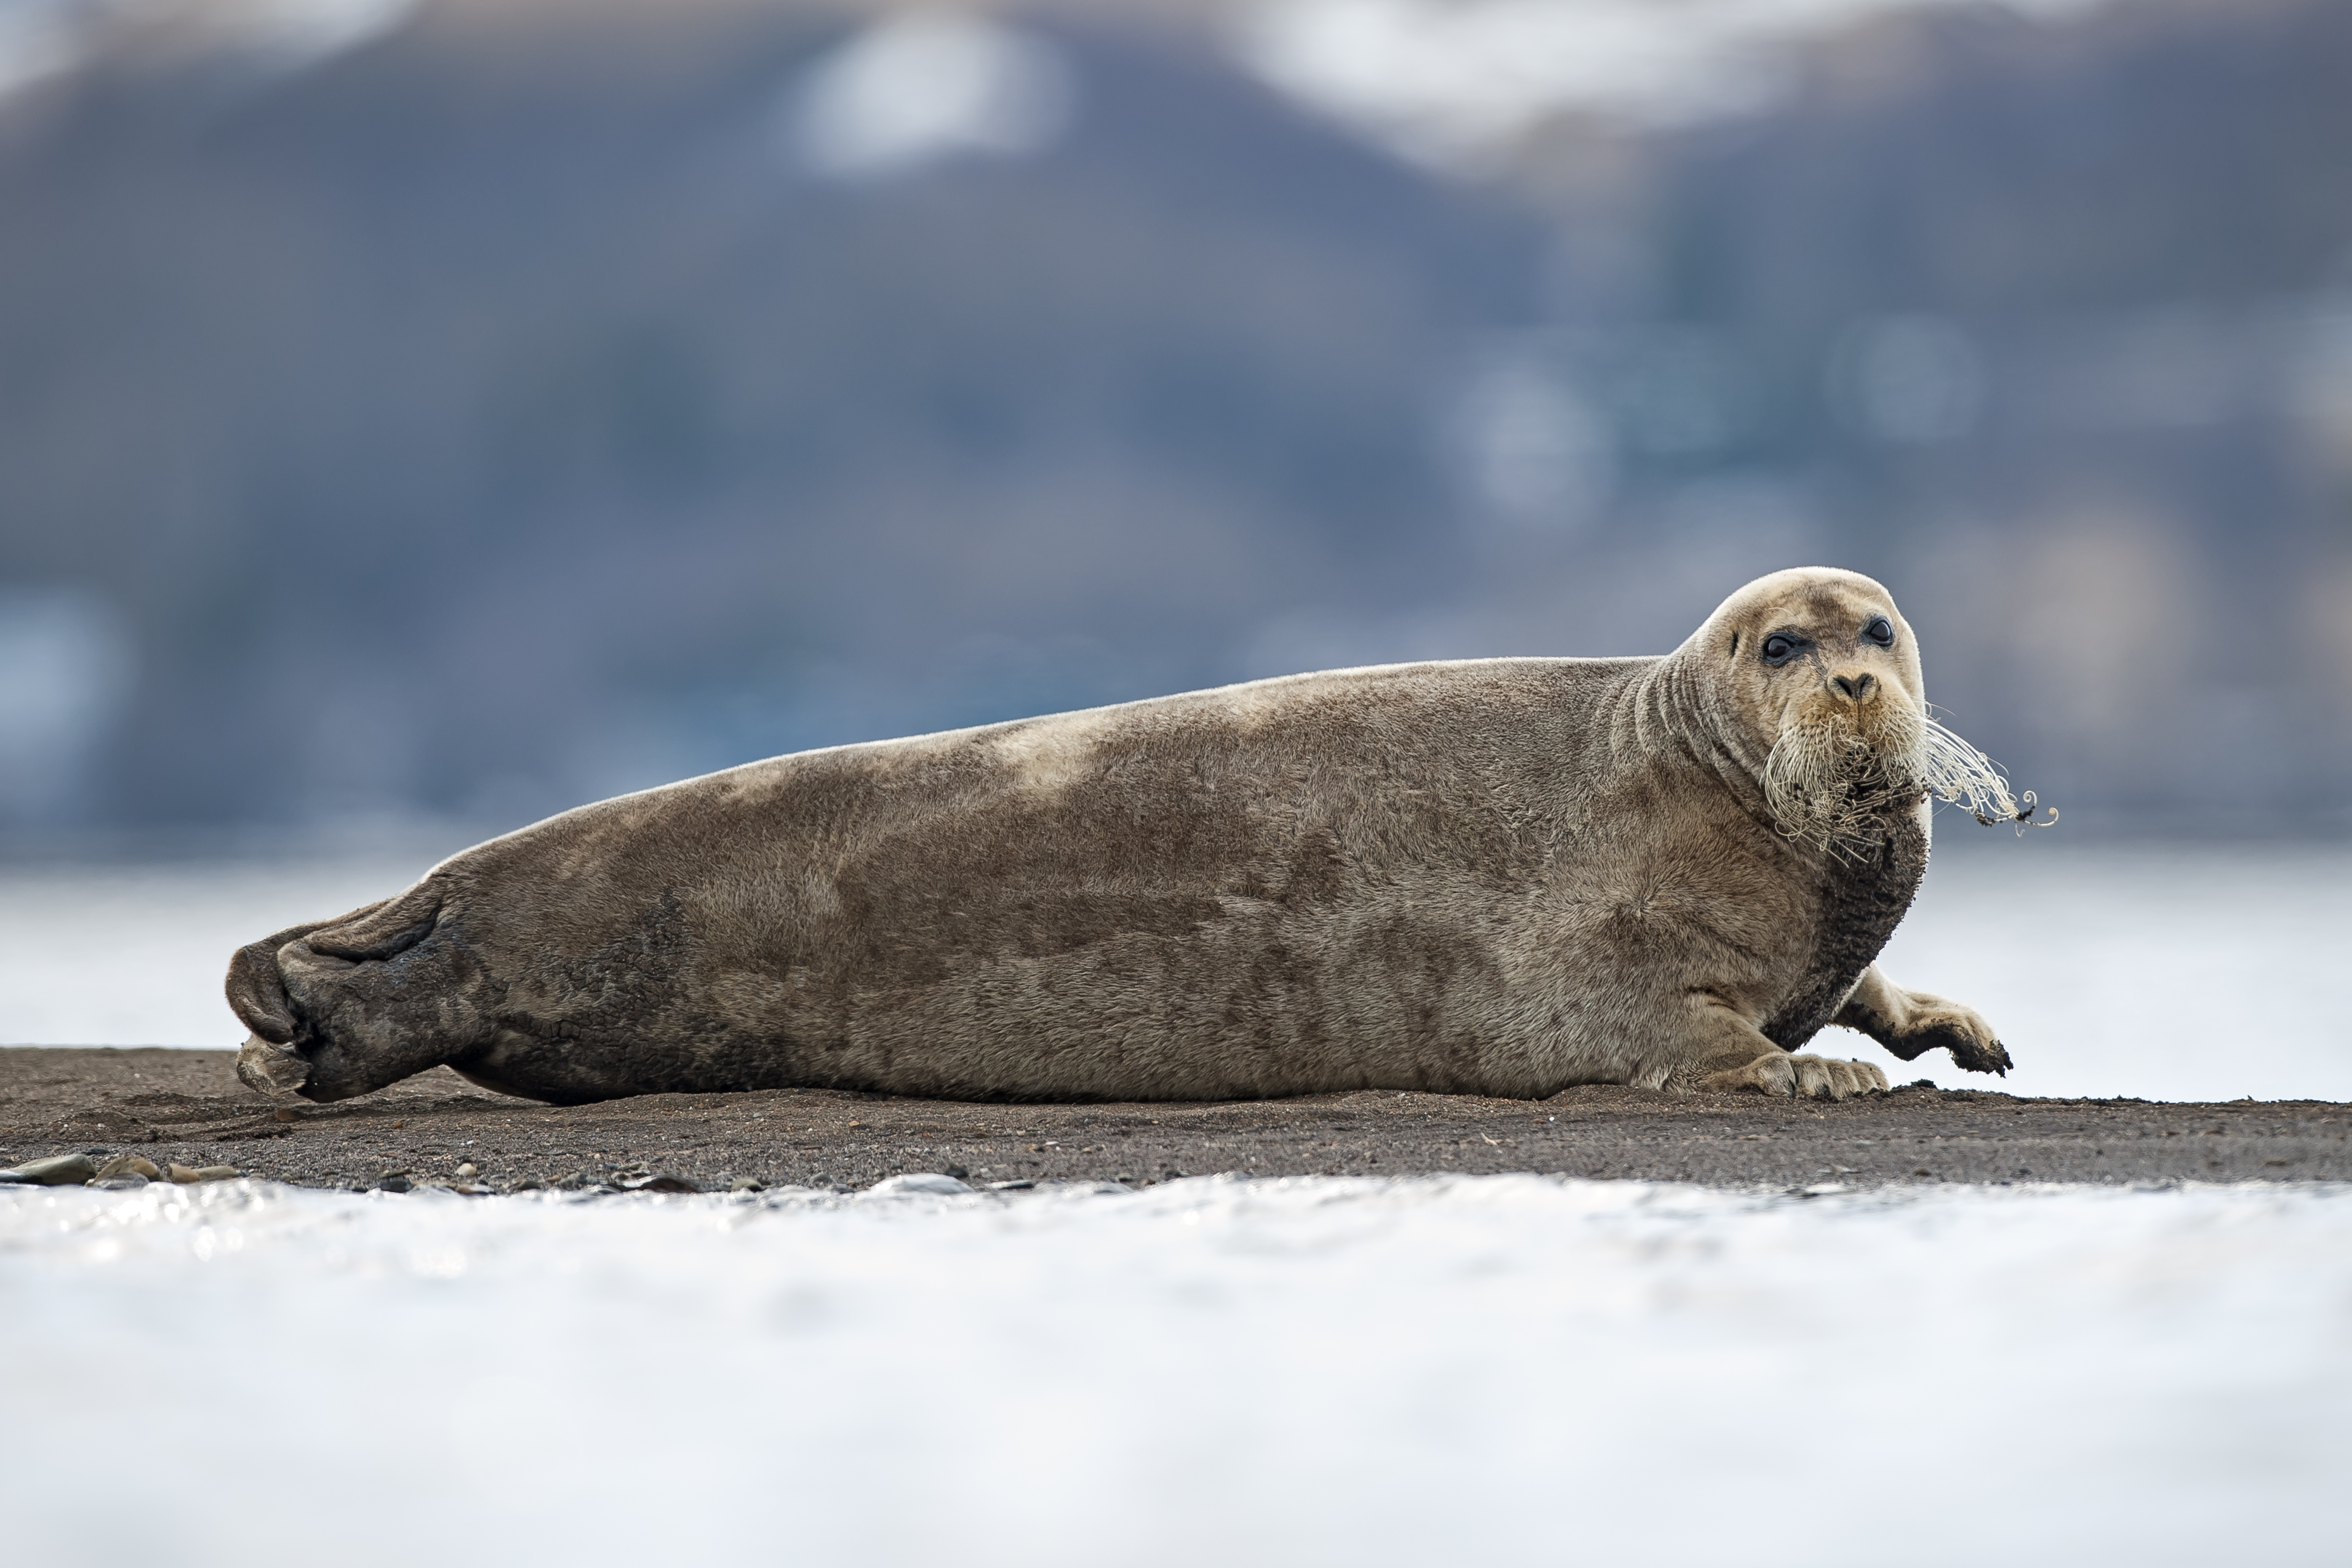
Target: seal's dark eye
[1777, 648]
[1880, 631]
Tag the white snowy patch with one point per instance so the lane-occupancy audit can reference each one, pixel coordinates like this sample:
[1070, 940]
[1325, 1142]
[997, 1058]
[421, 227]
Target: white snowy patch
[1450, 81]
[39, 38]
[923, 87]
[1321, 1371]
[290, 35]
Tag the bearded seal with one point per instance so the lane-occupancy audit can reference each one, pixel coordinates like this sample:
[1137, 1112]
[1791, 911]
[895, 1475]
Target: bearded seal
[1497, 877]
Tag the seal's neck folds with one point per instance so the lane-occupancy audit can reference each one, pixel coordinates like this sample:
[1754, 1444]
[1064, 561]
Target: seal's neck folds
[1666, 711]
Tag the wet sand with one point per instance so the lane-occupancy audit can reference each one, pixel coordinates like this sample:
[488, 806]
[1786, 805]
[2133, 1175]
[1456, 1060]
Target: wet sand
[187, 1107]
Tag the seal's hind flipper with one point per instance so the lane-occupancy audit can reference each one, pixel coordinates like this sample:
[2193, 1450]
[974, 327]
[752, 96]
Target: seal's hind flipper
[256, 990]
[381, 931]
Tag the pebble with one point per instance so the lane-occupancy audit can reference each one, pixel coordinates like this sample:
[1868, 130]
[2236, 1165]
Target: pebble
[183, 1174]
[468, 1170]
[917, 1182]
[665, 1182]
[57, 1170]
[394, 1181]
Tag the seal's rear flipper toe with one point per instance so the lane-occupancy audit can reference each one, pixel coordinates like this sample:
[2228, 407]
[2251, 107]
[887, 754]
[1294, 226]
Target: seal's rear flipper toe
[271, 1069]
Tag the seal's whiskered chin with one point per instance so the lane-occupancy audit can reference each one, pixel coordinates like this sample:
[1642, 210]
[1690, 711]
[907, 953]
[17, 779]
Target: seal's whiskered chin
[1831, 782]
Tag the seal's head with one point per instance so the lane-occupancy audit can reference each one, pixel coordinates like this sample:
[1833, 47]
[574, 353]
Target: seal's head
[1812, 676]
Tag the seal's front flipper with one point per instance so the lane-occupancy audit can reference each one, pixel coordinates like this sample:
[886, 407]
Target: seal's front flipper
[1798, 1078]
[1912, 1023]
[1730, 1054]
[1973, 1049]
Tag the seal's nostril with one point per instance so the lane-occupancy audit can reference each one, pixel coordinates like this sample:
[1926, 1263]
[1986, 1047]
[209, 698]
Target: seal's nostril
[1854, 687]
[1842, 684]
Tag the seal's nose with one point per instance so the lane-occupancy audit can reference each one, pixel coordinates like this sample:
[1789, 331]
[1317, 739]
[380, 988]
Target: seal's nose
[1855, 687]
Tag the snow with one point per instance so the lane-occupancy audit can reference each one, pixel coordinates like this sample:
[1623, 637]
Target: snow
[40, 39]
[1308, 1371]
[920, 87]
[2161, 972]
[1456, 83]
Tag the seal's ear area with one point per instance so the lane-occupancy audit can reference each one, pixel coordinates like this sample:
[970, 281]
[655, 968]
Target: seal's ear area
[381, 931]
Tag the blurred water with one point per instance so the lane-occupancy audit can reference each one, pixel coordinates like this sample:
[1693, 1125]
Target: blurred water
[1508, 1368]
[135, 954]
[749, 377]
[2186, 972]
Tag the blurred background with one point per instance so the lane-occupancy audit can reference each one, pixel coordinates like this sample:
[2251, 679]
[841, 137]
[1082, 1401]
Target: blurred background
[420, 415]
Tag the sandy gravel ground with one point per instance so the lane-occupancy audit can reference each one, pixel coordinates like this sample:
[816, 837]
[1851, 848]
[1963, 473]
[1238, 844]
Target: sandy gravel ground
[187, 1107]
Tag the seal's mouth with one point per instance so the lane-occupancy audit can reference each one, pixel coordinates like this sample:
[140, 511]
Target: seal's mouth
[1832, 783]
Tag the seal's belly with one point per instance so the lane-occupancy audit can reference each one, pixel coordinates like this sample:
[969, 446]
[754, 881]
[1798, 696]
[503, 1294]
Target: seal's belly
[1195, 915]
[1132, 994]
[1318, 953]
[1202, 936]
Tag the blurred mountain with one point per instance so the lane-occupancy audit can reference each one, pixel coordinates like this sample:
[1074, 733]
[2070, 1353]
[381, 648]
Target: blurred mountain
[495, 406]
[488, 418]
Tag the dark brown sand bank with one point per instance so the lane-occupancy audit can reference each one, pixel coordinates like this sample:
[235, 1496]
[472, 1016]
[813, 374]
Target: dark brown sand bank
[187, 1108]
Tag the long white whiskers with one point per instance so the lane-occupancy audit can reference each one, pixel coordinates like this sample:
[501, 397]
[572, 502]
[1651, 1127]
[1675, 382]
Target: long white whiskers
[1831, 788]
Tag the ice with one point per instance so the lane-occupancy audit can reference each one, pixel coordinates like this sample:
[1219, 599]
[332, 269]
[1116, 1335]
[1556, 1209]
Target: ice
[1513, 1368]
[2160, 972]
